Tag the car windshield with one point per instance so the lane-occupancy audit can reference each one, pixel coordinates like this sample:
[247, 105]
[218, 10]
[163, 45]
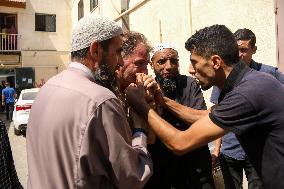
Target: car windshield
[29, 96]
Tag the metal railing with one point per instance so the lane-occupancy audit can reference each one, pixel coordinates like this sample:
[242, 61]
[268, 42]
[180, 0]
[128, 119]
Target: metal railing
[10, 42]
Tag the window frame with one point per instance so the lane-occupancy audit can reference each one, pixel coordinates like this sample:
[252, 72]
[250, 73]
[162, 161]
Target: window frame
[80, 9]
[93, 5]
[44, 19]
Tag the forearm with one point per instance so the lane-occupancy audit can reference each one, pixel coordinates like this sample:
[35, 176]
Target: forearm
[180, 142]
[187, 114]
[165, 131]
[176, 140]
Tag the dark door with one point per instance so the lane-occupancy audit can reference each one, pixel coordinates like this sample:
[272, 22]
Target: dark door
[25, 78]
[11, 80]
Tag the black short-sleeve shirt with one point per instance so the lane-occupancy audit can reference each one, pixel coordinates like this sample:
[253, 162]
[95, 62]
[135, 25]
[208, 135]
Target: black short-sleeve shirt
[254, 111]
[191, 170]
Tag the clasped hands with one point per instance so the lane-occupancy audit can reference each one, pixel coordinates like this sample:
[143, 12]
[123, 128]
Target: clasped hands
[141, 96]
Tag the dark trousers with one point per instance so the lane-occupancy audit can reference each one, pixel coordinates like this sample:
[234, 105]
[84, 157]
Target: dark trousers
[232, 171]
[190, 171]
[9, 110]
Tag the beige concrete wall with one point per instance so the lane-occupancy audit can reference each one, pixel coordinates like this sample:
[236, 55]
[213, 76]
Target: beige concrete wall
[46, 63]
[44, 49]
[106, 8]
[44, 73]
[257, 15]
[8, 59]
[164, 21]
[175, 22]
[36, 40]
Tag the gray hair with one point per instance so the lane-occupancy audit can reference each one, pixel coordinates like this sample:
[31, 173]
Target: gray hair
[130, 41]
[92, 28]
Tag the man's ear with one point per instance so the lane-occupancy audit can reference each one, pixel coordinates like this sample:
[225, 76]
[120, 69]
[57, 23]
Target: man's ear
[254, 49]
[95, 51]
[216, 60]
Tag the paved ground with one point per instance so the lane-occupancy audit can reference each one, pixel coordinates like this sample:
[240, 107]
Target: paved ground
[18, 145]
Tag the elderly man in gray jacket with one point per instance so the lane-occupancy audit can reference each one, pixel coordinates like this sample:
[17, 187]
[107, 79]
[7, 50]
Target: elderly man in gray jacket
[78, 135]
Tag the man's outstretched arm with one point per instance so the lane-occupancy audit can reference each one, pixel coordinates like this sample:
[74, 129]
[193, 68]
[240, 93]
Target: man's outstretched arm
[185, 113]
[180, 142]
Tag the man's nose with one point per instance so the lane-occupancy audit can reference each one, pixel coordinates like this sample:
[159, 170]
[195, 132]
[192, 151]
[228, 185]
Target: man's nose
[241, 54]
[191, 70]
[168, 64]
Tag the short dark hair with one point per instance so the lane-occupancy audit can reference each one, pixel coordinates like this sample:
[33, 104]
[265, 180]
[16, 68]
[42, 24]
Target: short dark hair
[130, 41]
[216, 39]
[245, 34]
[82, 53]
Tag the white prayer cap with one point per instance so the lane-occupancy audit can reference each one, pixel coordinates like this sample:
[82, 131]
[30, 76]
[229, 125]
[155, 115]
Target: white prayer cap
[93, 28]
[160, 47]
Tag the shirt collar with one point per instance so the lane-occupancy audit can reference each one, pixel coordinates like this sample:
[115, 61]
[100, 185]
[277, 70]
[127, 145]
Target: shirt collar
[83, 68]
[236, 75]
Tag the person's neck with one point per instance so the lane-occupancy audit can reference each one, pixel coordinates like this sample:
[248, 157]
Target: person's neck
[249, 65]
[223, 75]
[86, 62]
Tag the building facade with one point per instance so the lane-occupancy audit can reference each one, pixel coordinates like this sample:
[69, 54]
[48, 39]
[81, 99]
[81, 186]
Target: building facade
[176, 21]
[34, 40]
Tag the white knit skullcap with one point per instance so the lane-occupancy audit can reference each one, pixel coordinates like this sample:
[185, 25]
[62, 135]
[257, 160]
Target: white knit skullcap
[93, 28]
[160, 47]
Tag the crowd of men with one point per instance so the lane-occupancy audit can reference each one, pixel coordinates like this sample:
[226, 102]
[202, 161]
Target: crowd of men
[104, 123]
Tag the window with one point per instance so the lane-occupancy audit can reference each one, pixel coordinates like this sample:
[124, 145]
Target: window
[45, 22]
[93, 4]
[80, 9]
[29, 95]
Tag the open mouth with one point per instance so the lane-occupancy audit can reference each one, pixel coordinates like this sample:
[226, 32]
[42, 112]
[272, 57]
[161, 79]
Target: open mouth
[168, 75]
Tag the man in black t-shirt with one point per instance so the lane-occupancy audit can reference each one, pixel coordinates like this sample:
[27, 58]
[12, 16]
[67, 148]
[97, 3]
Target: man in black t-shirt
[193, 169]
[250, 105]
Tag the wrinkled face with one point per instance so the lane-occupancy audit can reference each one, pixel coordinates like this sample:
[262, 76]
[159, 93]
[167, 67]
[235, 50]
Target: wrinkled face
[246, 51]
[135, 63]
[202, 70]
[166, 67]
[165, 63]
